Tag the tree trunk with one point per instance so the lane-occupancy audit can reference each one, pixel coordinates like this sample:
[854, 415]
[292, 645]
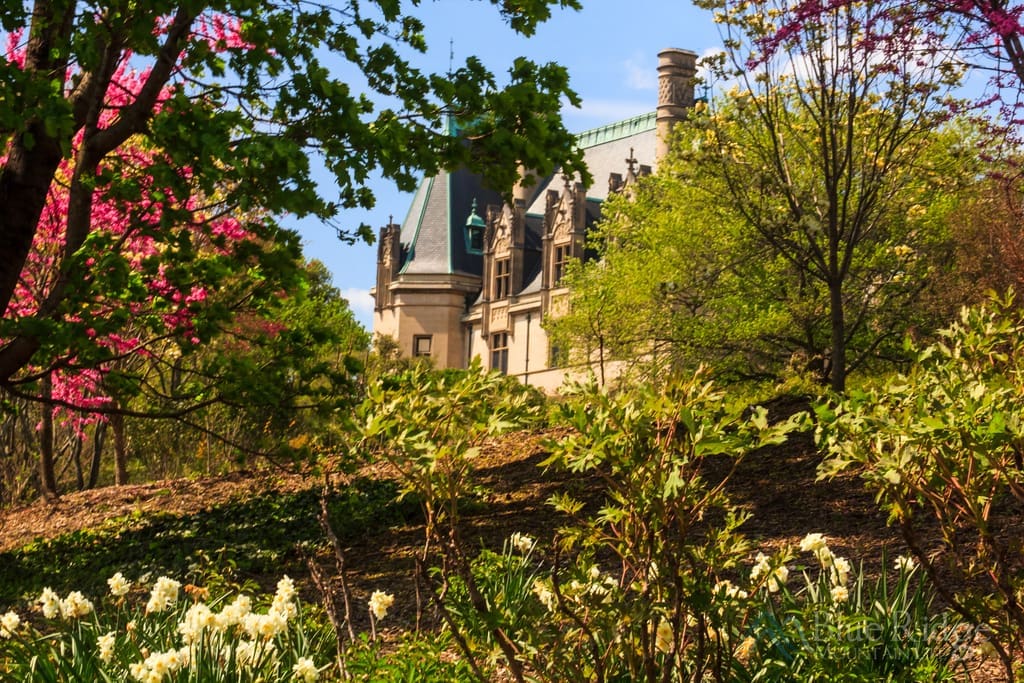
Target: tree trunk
[120, 450]
[98, 440]
[76, 457]
[34, 154]
[837, 372]
[47, 478]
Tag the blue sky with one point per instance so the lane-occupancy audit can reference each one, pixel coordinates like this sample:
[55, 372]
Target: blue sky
[610, 49]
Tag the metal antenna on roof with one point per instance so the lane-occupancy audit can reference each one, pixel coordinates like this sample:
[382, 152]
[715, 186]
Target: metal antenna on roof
[451, 56]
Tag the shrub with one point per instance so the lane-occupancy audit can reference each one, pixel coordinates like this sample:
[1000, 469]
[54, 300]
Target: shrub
[428, 426]
[637, 590]
[943, 444]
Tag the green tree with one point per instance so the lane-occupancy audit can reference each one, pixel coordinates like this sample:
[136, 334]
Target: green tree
[799, 220]
[820, 155]
[237, 96]
[667, 292]
[684, 278]
[285, 374]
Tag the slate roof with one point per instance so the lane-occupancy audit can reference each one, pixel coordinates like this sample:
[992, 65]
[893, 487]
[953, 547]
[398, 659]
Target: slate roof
[434, 229]
[433, 234]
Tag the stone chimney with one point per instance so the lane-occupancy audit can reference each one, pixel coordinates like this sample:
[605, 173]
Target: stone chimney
[524, 189]
[676, 69]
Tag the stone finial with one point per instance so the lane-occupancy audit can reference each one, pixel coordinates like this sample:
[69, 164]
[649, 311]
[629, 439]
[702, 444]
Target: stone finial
[676, 69]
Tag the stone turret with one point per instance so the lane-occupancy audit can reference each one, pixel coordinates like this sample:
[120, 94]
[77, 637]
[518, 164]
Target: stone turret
[676, 69]
[389, 262]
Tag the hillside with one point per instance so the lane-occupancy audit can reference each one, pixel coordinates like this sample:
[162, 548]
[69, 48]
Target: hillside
[267, 511]
[777, 485]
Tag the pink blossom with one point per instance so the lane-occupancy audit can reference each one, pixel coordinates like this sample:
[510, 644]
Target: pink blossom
[131, 227]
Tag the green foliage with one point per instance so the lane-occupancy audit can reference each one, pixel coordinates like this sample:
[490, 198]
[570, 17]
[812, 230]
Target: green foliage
[274, 382]
[424, 658]
[429, 425]
[634, 588]
[298, 83]
[506, 580]
[663, 459]
[942, 445]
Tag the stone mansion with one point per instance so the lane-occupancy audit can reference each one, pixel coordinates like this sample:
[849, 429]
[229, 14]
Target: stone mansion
[469, 275]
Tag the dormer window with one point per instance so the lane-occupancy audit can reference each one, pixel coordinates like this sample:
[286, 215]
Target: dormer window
[475, 232]
[562, 255]
[502, 278]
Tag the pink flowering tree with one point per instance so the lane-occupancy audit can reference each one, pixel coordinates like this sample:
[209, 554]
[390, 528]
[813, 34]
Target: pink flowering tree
[171, 322]
[149, 150]
[139, 298]
[985, 35]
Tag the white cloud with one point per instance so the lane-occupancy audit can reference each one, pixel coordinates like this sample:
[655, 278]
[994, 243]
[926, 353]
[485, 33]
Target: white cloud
[361, 303]
[641, 73]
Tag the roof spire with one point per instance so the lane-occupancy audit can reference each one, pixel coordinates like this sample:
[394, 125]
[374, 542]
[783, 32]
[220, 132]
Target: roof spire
[631, 162]
[474, 218]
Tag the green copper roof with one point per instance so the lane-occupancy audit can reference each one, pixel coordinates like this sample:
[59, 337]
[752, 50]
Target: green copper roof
[474, 219]
[617, 130]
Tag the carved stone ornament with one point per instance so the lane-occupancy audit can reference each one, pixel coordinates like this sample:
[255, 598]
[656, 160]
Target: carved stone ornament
[672, 92]
[562, 229]
[559, 306]
[499, 319]
[503, 233]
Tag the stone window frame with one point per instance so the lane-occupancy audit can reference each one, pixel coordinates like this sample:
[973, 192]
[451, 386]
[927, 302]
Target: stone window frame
[418, 340]
[559, 261]
[499, 352]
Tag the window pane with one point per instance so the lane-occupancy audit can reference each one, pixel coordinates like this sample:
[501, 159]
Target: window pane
[421, 345]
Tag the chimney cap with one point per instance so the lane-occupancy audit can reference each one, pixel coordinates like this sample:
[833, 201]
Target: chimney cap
[676, 50]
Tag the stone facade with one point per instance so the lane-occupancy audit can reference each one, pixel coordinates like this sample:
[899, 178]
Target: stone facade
[467, 275]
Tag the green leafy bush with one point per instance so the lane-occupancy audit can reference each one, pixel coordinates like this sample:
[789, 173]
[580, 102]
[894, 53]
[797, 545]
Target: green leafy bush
[637, 589]
[665, 534]
[428, 427]
[424, 658]
[653, 581]
[942, 447]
